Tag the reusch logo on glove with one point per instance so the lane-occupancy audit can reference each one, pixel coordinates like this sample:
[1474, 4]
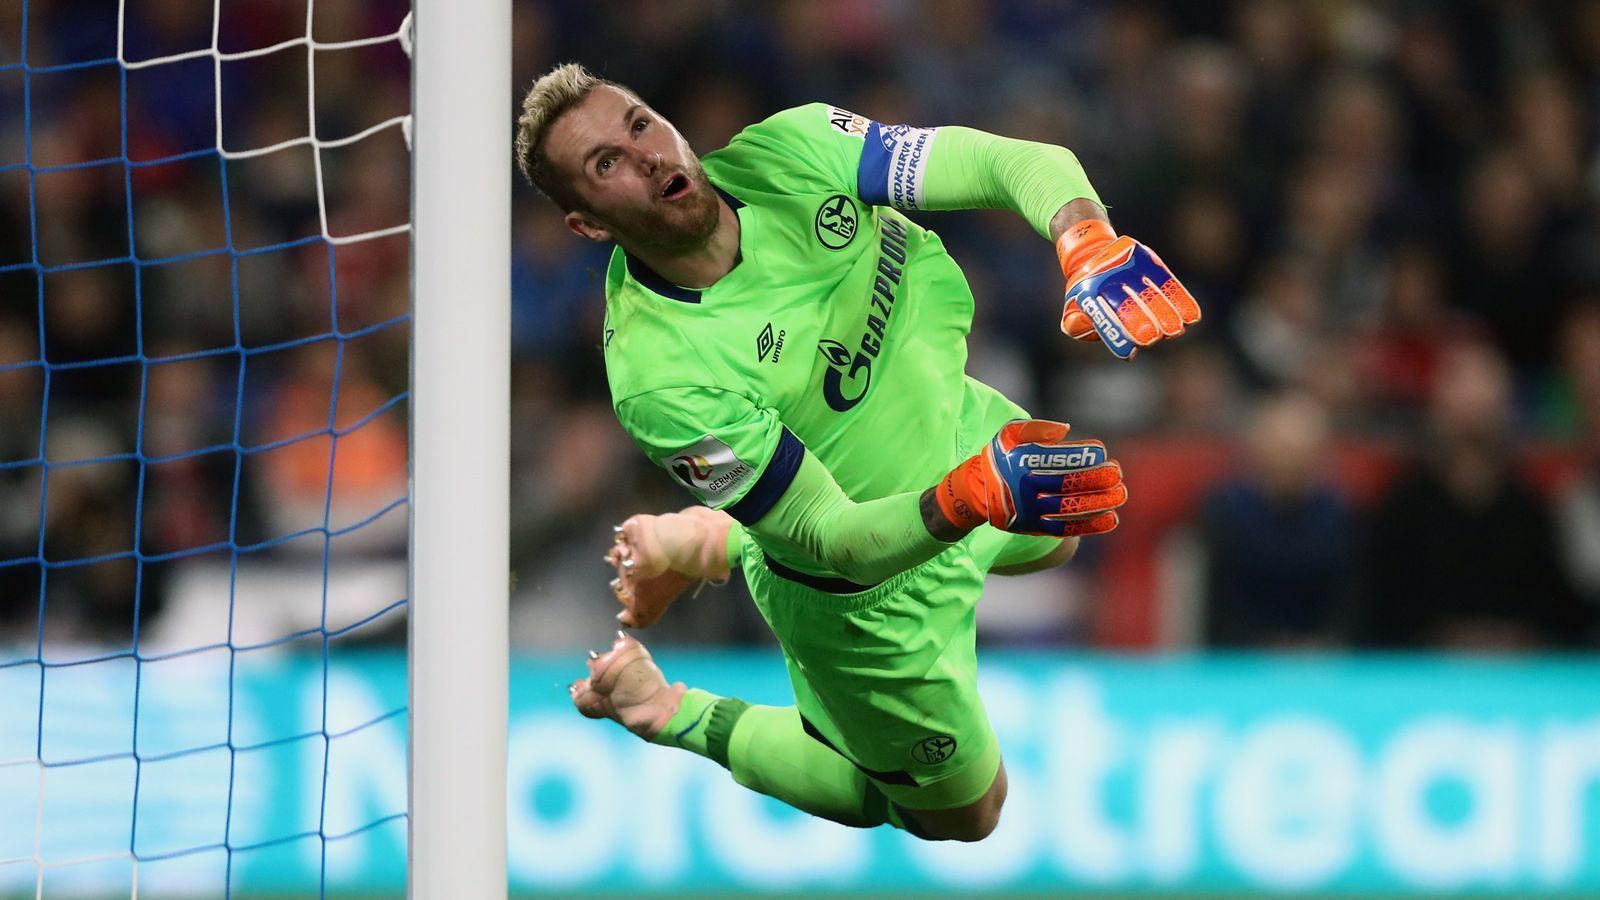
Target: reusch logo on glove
[1082, 458]
[1106, 323]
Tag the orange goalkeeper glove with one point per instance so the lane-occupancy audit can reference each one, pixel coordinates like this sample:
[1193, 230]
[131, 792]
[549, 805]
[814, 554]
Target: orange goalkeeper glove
[1031, 480]
[1119, 291]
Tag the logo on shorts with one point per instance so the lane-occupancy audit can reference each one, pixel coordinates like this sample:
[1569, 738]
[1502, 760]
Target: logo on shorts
[836, 222]
[934, 750]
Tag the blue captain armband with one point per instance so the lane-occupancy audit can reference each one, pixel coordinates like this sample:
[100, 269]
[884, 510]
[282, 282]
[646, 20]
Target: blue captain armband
[894, 160]
[774, 480]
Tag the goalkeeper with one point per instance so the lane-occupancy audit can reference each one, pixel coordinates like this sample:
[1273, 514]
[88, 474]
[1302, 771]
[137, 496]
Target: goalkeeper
[791, 349]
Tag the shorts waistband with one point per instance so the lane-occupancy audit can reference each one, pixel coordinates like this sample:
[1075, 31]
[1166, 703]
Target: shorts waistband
[815, 582]
[838, 594]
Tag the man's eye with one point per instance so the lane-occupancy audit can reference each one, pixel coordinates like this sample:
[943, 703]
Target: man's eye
[604, 164]
[639, 125]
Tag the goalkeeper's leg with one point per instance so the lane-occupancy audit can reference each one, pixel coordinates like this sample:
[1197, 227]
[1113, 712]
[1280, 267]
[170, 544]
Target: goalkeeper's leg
[766, 748]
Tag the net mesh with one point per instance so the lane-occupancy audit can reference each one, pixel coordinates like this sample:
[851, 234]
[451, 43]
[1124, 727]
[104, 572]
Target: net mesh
[204, 292]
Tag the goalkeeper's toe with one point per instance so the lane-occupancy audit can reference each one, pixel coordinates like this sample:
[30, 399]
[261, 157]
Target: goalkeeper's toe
[645, 584]
[626, 685]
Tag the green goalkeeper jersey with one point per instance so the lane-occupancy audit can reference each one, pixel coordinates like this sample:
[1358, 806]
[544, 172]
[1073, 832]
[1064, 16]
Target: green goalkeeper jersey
[841, 332]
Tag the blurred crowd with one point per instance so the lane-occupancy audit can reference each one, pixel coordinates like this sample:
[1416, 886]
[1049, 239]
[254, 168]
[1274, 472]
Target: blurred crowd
[1389, 210]
[177, 340]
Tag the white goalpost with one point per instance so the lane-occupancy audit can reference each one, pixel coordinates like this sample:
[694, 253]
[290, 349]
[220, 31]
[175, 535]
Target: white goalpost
[460, 469]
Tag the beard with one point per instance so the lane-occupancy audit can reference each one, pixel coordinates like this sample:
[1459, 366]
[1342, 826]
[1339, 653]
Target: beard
[678, 227]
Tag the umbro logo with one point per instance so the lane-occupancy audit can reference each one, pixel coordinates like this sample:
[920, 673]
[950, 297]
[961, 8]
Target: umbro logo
[766, 343]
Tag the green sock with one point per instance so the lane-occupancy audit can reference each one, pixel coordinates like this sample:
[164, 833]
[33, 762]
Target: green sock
[687, 727]
[767, 750]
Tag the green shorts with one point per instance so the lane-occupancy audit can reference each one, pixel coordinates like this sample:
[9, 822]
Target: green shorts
[888, 676]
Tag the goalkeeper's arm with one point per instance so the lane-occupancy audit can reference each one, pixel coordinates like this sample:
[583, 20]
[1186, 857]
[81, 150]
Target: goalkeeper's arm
[863, 542]
[1118, 290]
[1028, 480]
[1043, 183]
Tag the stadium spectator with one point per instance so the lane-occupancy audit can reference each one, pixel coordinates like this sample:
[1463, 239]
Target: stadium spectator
[1503, 251]
[88, 538]
[1402, 349]
[191, 500]
[1279, 554]
[1210, 241]
[1579, 518]
[21, 407]
[1463, 554]
[1579, 509]
[315, 479]
[1279, 323]
[1200, 392]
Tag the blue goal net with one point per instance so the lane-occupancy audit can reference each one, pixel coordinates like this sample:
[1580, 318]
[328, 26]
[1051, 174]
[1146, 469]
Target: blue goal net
[204, 307]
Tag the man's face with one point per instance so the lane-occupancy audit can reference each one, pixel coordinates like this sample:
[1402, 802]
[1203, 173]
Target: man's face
[642, 184]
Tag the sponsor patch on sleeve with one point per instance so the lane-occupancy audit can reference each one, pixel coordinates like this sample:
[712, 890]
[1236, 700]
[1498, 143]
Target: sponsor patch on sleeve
[846, 122]
[894, 159]
[710, 470]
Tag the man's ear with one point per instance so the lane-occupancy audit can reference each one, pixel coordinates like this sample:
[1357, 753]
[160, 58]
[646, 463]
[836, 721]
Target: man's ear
[585, 227]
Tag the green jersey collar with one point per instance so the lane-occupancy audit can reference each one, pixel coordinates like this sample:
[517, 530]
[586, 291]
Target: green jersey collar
[648, 278]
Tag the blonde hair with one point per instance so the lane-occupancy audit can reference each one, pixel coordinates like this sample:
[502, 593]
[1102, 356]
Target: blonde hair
[552, 95]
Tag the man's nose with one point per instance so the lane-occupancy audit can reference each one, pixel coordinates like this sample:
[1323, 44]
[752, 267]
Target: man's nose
[652, 161]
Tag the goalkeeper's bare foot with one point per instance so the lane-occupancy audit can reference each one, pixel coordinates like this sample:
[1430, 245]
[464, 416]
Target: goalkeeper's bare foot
[645, 584]
[643, 553]
[626, 685]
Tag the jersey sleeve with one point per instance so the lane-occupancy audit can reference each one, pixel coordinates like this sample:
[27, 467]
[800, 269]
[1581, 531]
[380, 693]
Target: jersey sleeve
[729, 453]
[977, 170]
[883, 165]
[911, 167]
[737, 457]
